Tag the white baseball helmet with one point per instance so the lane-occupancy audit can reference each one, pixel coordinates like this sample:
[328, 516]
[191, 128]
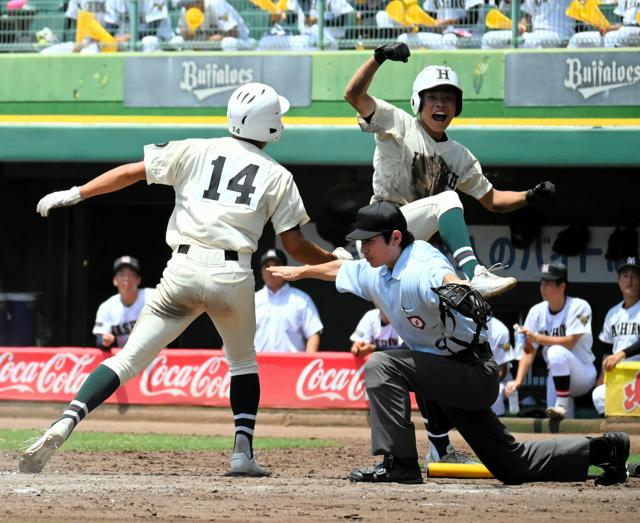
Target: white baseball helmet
[435, 76]
[255, 112]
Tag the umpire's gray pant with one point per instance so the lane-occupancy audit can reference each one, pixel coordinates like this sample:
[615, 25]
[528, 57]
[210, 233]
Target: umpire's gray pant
[465, 388]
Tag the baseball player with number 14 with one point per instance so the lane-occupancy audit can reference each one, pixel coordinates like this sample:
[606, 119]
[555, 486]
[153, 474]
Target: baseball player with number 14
[226, 190]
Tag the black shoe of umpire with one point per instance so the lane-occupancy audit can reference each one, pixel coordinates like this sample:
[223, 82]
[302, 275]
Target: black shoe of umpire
[389, 471]
[615, 470]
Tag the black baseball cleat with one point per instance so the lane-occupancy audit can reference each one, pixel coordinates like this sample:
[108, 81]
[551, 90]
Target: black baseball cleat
[615, 470]
[389, 471]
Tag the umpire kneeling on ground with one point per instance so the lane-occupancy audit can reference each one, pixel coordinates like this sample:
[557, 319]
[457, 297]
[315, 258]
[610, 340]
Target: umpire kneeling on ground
[444, 323]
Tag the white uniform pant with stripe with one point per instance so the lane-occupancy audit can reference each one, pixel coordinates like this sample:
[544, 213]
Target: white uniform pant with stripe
[193, 283]
[422, 215]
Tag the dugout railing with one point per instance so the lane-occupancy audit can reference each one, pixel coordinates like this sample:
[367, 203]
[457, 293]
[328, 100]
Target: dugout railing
[37, 25]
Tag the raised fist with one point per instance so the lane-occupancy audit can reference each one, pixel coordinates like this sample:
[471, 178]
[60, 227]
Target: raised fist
[58, 199]
[396, 52]
[544, 192]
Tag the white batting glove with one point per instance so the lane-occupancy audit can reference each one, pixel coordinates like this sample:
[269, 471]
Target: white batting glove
[58, 199]
[342, 254]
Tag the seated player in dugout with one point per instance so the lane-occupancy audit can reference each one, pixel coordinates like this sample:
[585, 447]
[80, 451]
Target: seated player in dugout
[419, 168]
[117, 315]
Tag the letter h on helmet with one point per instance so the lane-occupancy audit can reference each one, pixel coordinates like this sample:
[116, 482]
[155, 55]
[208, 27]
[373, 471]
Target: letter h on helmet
[255, 112]
[431, 77]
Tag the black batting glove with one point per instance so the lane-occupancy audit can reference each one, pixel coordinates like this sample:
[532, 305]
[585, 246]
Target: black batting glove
[396, 52]
[544, 192]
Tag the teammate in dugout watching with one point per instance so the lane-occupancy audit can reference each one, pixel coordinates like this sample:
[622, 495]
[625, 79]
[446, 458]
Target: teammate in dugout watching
[117, 315]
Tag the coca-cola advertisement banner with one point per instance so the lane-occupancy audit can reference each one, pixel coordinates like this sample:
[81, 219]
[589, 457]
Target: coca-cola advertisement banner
[190, 377]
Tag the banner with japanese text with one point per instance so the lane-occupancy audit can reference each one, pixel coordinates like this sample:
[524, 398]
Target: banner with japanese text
[623, 390]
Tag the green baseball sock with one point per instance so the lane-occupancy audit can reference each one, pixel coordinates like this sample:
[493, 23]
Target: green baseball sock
[98, 386]
[454, 234]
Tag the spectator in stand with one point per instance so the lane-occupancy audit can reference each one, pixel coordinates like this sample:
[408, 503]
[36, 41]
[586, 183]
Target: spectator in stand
[154, 24]
[561, 326]
[117, 315]
[626, 33]
[543, 24]
[221, 23]
[621, 329]
[335, 15]
[287, 320]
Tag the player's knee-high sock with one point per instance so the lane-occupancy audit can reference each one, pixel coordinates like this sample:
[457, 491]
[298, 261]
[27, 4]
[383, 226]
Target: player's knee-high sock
[244, 394]
[562, 385]
[455, 236]
[98, 386]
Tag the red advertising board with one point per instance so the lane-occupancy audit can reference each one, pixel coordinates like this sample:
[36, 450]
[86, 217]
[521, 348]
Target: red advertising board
[187, 377]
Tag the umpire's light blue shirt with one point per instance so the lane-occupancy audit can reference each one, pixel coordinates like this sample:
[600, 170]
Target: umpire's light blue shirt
[404, 295]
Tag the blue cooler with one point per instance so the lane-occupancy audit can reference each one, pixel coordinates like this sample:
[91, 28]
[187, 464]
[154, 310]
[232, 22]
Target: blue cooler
[21, 308]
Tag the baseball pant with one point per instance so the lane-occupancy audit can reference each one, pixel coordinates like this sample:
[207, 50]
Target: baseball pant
[422, 215]
[598, 396]
[562, 362]
[465, 387]
[193, 283]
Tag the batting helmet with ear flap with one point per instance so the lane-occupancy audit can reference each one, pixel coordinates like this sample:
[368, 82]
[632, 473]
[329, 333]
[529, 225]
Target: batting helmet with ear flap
[255, 112]
[435, 76]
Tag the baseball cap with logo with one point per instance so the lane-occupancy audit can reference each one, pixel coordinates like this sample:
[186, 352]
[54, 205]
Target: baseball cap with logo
[630, 261]
[554, 271]
[126, 261]
[377, 218]
[274, 254]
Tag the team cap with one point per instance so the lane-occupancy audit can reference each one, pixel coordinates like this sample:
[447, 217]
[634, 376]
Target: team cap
[377, 218]
[126, 261]
[630, 261]
[553, 271]
[274, 254]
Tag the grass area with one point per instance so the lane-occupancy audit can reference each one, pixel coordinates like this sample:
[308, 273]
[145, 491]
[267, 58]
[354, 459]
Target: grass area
[111, 442]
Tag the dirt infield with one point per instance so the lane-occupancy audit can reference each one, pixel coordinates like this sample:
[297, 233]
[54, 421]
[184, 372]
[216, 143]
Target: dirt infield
[306, 485]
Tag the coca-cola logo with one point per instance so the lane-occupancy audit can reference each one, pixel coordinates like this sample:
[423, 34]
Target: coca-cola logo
[209, 379]
[63, 373]
[334, 384]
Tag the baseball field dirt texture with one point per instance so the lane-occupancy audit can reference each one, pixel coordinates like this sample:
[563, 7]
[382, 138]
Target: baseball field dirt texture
[306, 484]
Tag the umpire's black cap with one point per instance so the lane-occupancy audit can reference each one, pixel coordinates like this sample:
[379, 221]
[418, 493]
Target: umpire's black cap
[126, 261]
[631, 261]
[273, 254]
[554, 271]
[377, 218]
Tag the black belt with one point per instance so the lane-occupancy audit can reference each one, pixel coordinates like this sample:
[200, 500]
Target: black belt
[228, 255]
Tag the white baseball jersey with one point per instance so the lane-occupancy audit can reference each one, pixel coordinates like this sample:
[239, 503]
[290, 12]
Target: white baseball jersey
[228, 189]
[371, 330]
[97, 7]
[498, 339]
[410, 165]
[220, 15]
[285, 320]
[116, 318]
[628, 10]
[621, 328]
[548, 15]
[149, 11]
[574, 318]
[448, 9]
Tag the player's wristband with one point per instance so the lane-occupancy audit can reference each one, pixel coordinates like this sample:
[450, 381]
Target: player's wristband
[632, 350]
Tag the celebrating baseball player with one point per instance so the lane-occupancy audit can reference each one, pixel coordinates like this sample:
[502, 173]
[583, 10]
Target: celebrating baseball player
[117, 315]
[226, 190]
[561, 326]
[448, 362]
[418, 167]
[621, 329]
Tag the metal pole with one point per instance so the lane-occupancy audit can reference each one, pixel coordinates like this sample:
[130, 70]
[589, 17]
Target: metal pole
[321, 24]
[515, 18]
[133, 24]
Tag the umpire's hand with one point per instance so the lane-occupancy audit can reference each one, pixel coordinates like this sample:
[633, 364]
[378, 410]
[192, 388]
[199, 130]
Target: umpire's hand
[396, 52]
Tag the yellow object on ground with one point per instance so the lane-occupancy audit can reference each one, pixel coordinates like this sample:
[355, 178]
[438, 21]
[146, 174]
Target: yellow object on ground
[458, 470]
